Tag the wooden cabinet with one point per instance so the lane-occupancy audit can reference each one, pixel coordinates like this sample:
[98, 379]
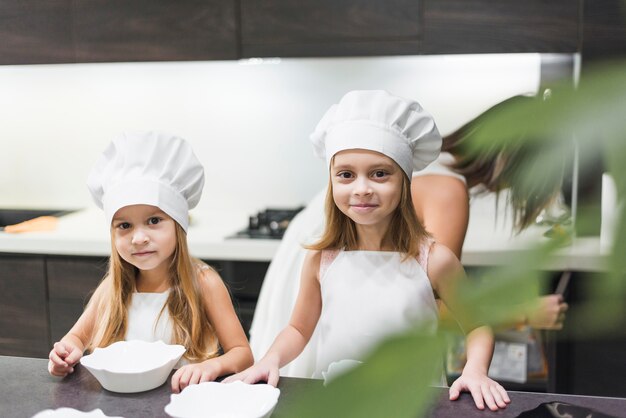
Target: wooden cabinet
[329, 28]
[71, 281]
[23, 306]
[52, 31]
[154, 30]
[36, 32]
[503, 26]
[604, 30]
[243, 280]
[68, 31]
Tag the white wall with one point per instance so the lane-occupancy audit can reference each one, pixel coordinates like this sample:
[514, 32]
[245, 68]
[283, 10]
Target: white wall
[249, 124]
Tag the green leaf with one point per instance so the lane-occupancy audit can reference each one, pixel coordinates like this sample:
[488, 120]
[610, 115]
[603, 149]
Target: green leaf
[393, 382]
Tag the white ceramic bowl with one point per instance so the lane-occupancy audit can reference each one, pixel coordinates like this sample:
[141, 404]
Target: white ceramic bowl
[337, 368]
[133, 366]
[221, 400]
[71, 413]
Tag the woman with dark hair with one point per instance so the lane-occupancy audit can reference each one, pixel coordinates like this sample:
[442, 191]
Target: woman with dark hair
[471, 165]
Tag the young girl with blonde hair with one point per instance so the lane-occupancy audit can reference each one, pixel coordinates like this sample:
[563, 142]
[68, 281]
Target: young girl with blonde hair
[154, 290]
[375, 271]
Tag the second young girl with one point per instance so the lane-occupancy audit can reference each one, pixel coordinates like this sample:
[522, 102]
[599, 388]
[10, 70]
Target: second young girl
[154, 290]
[375, 271]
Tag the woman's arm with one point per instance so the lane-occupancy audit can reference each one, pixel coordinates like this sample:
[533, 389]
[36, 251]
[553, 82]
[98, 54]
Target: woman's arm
[442, 205]
[294, 337]
[237, 354]
[445, 272]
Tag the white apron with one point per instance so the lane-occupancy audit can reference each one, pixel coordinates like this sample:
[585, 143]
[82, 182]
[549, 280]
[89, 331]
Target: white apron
[366, 297]
[143, 313]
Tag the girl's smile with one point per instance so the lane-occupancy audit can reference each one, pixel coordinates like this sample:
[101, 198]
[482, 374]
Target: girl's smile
[363, 207]
[144, 253]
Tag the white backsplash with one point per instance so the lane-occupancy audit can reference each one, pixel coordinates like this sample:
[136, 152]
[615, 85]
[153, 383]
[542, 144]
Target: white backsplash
[248, 123]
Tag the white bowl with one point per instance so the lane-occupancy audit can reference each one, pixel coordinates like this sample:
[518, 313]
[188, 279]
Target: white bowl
[338, 368]
[133, 366]
[71, 413]
[221, 400]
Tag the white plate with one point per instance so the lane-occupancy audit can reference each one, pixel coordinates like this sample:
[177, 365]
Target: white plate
[71, 413]
[221, 400]
[133, 366]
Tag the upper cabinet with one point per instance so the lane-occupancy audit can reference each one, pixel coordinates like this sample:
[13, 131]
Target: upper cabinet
[604, 30]
[290, 28]
[66, 31]
[305, 28]
[58, 31]
[154, 30]
[36, 32]
[502, 26]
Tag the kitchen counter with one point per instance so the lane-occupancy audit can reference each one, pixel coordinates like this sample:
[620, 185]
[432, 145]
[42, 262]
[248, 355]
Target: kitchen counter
[84, 233]
[28, 388]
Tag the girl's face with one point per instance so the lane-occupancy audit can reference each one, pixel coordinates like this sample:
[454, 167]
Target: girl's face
[367, 186]
[145, 236]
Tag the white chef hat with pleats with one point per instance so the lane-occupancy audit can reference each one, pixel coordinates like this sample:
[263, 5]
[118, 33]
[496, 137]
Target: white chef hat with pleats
[379, 121]
[148, 168]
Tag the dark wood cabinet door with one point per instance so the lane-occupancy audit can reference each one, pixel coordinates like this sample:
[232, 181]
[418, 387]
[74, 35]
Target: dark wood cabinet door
[154, 30]
[329, 27]
[71, 281]
[604, 30]
[36, 32]
[243, 280]
[503, 26]
[23, 306]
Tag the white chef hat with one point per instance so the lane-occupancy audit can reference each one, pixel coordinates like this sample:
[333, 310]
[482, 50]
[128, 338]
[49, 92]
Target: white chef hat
[148, 168]
[379, 121]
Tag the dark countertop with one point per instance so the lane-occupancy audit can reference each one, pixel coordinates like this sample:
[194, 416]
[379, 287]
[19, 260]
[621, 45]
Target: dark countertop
[27, 388]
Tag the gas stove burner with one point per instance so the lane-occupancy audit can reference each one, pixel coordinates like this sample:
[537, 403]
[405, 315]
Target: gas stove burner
[268, 224]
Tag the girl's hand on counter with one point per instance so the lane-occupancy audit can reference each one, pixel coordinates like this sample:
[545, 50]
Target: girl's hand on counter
[192, 374]
[260, 372]
[63, 357]
[482, 388]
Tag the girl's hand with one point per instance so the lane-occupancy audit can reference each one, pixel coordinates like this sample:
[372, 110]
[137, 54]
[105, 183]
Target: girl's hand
[63, 357]
[260, 372]
[192, 374]
[483, 390]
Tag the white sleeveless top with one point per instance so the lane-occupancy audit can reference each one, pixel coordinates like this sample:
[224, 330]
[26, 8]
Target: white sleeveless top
[144, 322]
[367, 296]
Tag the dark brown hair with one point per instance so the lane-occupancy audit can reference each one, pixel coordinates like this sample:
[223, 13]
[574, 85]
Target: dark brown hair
[506, 164]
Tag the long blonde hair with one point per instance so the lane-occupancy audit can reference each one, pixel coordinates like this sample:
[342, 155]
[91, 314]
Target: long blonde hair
[405, 232]
[190, 323]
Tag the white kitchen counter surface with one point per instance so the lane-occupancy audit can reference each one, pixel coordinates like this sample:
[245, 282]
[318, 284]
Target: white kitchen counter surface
[84, 233]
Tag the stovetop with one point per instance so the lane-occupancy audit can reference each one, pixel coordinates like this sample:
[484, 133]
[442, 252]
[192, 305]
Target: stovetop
[270, 223]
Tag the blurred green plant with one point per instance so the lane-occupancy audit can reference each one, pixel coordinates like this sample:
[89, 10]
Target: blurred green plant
[394, 380]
